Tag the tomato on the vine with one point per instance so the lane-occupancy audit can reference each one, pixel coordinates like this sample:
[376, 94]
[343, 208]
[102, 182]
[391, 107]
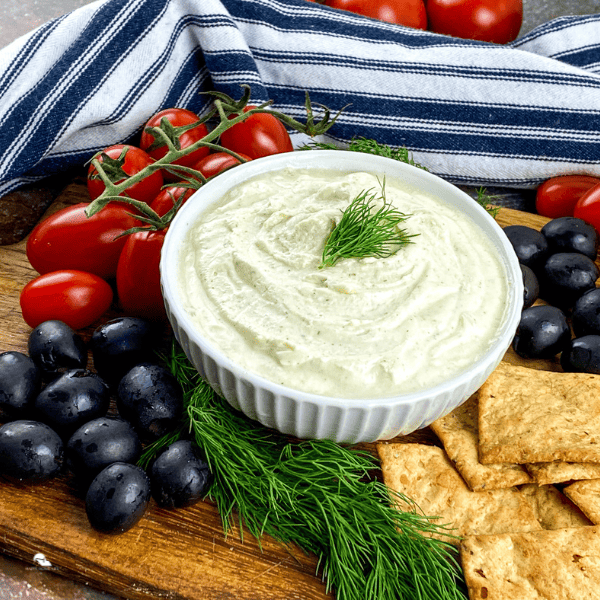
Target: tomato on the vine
[69, 239]
[217, 162]
[75, 297]
[557, 197]
[588, 207]
[175, 125]
[120, 162]
[411, 13]
[497, 21]
[164, 201]
[138, 276]
[261, 134]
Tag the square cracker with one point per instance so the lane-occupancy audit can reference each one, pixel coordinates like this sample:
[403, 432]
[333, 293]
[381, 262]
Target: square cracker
[552, 508]
[426, 475]
[539, 565]
[530, 416]
[560, 472]
[459, 433]
[586, 494]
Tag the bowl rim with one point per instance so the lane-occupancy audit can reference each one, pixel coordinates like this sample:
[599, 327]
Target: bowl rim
[343, 161]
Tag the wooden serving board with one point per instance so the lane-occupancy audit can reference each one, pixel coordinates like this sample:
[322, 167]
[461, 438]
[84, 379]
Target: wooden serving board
[180, 554]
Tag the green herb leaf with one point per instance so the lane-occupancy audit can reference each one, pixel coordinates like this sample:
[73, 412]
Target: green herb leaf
[368, 146]
[365, 230]
[321, 496]
[487, 201]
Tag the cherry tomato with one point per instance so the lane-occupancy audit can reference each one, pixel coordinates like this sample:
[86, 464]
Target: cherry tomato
[588, 207]
[558, 196]
[121, 161]
[410, 13]
[68, 239]
[138, 277]
[215, 163]
[259, 135]
[497, 21]
[75, 297]
[176, 118]
[163, 203]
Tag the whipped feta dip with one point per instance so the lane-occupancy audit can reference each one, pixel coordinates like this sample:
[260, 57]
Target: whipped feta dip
[373, 327]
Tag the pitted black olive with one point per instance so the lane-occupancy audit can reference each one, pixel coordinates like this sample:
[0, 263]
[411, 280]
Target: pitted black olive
[20, 383]
[543, 332]
[569, 234]
[30, 451]
[531, 247]
[565, 277]
[54, 346]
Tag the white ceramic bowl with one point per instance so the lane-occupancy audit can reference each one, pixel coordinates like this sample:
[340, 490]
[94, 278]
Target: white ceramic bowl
[310, 416]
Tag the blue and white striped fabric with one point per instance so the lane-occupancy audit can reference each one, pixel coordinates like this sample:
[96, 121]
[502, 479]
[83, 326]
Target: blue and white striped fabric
[474, 113]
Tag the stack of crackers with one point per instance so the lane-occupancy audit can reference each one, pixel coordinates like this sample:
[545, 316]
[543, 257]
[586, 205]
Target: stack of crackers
[516, 478]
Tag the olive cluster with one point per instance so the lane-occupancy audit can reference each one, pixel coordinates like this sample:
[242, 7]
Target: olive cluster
[558, 265]
[59, 417]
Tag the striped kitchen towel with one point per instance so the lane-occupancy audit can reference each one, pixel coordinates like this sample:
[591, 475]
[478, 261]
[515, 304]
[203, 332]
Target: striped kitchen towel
[472, 112]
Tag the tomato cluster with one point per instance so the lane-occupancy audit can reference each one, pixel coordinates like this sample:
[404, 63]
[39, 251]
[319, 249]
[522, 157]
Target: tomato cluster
[570, 196]
[497, 21]
[83, 260]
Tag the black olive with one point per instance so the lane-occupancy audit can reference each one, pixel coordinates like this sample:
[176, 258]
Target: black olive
[99, 443]
[531, 286]
[117, 498]
[569, 234]
[73, 398]
[565, 277]
[585, 316]
[151, 399]
[20, 383]
[30, 451]
[53, 346]
[530, 246]
[180, 475]
[121, 344]
[543, 332]
[582, 355]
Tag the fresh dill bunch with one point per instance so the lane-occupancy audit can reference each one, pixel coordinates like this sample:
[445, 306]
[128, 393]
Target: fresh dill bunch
[487, 201]
[322, 497]
[365, 230]
[368, 146]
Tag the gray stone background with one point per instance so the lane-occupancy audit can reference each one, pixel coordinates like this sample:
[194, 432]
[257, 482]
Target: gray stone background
[20, 581]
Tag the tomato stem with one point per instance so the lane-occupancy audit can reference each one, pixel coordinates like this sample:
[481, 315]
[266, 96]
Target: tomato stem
[230, 112]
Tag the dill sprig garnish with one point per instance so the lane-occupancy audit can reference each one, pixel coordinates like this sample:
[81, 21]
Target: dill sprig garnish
[487, 201]
[362, 144]
[320, 496]
[365, 230]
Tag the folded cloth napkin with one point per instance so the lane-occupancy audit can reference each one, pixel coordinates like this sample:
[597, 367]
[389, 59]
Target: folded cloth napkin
[471, 112]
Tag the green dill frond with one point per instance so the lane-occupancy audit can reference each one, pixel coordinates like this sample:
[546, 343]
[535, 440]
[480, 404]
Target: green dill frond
[365, 230]
[323, 497]
[487, 201]
[368, 146]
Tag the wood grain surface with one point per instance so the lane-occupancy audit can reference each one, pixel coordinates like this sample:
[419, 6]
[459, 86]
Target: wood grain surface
[180, 554]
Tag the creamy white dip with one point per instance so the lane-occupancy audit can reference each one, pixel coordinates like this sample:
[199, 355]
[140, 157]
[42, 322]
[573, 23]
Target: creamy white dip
[250, 280]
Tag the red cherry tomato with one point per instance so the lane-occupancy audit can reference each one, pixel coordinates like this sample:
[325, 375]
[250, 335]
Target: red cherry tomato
[259, 135]
[215, 163]
[177, 118]
[410, 13]
[75, 297]
[558, 196]
[497, 21]
[138, 277]
[122, 162]
[163, 203]
[68, 239]
[588, 207]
